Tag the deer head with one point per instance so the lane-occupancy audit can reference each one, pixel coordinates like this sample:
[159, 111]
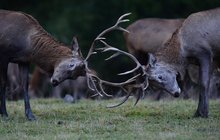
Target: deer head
[163, 76]
[71, 67]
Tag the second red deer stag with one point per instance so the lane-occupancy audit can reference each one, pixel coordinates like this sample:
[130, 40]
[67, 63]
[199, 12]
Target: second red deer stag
[195, 42]
[148, 35]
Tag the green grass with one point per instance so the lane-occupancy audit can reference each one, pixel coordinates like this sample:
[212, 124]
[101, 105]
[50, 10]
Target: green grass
[89, 119]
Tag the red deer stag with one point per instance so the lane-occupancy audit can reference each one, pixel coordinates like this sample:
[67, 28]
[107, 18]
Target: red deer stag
[148, 35]
[24, 41]
[196, 41]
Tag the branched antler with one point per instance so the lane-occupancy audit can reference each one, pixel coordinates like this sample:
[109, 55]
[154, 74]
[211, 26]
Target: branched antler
[96, 84]
[141, 86]
[114, 27]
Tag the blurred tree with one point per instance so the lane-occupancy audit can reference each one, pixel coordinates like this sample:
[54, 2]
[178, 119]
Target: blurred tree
[87, 18]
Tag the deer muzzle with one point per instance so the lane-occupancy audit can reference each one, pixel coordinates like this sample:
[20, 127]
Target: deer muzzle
[177, 93]
[54, 82]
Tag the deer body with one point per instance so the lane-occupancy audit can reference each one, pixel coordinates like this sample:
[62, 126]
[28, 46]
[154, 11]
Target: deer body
[148, 35]
[205, 37]
[195, 42]
[36, 46]
[24, 41]
[204, 47]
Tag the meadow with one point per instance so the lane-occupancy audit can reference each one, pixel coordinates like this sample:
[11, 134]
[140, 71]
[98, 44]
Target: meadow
[90, 119]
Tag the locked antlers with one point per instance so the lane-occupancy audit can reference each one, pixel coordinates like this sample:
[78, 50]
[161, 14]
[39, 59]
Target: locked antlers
[96, 84]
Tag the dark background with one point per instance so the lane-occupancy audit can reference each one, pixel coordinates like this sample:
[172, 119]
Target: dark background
[87, 18]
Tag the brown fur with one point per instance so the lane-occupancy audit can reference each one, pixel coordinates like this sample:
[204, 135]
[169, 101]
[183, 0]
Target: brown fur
[47, 53]
[24, 41]
[199, 40]
[171, 54]
[43, 49]
[148, 35]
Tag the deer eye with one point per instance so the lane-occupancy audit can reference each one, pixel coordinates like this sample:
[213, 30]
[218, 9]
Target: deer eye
[71, 65]
[160, 77]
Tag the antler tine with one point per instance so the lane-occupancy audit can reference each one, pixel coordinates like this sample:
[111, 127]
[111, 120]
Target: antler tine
[112, 56]
[103, 91]
[99, 84]
[89, 80]
[95, 88]
[123, 101]
[88, 77]
[140, 92]
[114, 27]
[121, 84]
[88, 83]
[111, 48]
[144, 87]
[138, 97]
[120, 19]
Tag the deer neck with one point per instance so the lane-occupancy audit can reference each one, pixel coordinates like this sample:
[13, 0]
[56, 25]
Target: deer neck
[171, 54]
[48, 52]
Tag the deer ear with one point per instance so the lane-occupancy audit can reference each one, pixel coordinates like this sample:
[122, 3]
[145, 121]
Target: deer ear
[75, 47]
[151, 59]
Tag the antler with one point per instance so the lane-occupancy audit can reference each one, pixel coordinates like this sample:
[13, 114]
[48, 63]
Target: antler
[96, 84]
[140, 86]
[114, 27]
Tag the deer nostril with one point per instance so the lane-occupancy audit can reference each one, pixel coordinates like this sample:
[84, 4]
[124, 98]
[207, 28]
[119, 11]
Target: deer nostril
[176, 94]
[54, 82]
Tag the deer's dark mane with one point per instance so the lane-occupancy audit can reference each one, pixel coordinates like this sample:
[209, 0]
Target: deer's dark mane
[47, 47]
[170, 53]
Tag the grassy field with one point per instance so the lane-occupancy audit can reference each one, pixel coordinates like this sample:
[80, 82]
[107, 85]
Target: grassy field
[89, 119]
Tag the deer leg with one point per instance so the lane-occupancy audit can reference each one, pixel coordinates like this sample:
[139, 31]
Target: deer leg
[3, 81]
[186, 85]
[75, 93]
[24, 69]
[204, 73]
